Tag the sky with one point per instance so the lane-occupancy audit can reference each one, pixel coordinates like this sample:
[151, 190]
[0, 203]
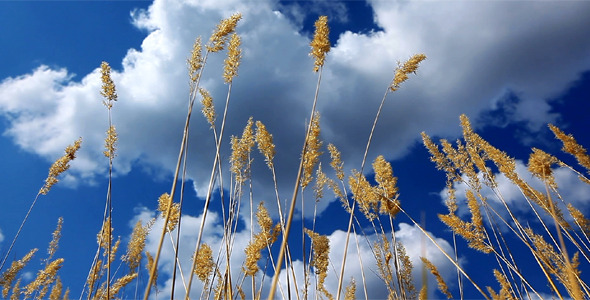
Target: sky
[511, 66]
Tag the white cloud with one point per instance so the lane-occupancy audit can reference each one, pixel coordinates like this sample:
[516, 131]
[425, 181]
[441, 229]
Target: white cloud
[1, 236]
[477, 51]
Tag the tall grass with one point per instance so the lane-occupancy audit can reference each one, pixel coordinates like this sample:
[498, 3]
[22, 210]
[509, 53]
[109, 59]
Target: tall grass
[558, 246]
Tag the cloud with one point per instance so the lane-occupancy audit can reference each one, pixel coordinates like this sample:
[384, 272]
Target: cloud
[1, 236]
[533, 49]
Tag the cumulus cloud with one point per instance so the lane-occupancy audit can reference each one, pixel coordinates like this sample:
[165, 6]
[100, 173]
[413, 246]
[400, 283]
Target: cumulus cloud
[486, 49]
[360, 257]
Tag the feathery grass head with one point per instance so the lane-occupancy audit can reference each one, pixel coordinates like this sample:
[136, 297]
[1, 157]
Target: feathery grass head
[364, 194]
[350, 293]
[208, 108]
[405, 272]
[336, 162]
[312, 152]
[571, 146]
[108, 86]
[387, 186]
[110, 142]
[204, 262]
[163, 202]
[265, 238]
[320, 45]
[223, 29]
[55, 239]
[59, 166]
[540, 164]
[9, 275]
[241, 147]
[442, 285]
[195, 62]
[232, 62]
[44, 278]
[401, 72]
[55, 293]
[148, 266]
[136, 245]
[265, 143]
[320, 259]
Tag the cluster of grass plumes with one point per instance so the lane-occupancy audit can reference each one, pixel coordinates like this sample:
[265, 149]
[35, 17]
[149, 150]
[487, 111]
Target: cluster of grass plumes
[470, 163]
[371, 201]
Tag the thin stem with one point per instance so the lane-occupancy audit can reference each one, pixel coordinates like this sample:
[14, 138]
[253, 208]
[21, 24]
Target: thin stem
[275, 278]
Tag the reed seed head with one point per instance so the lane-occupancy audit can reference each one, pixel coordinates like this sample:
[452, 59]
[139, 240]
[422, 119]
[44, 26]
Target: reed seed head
[195, 62]
[56, 290]
[149, 265]
[232, 62]
[401, 72]
[59, 166]
[204, 262]
[320, 259]
[108, 86]
[265, 144]
[110, 142]
[44, 278]
[223, 29]
[312, 152]
[9, 275]
[55, 239]
[240, 156]
[163, 206]
[336, 162]
[571, 146]
[350, 293]
[320, 45]
[136, 245]
[442, 285]
[208, 109]
[540, 164]
[387, 186]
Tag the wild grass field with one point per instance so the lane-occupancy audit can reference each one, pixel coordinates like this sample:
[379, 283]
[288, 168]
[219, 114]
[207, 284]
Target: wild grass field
[370, 203]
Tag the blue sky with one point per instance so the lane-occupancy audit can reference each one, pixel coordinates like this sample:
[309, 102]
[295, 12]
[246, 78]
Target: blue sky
[511, 66]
